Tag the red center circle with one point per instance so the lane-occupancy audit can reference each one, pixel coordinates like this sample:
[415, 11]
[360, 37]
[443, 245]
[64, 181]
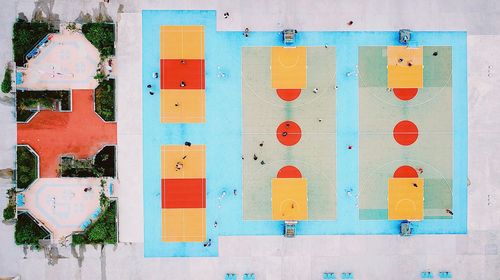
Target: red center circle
[405, 94]
[288, 94]
[289, 171]
[405, 133]
[405, 171]
[288, 133]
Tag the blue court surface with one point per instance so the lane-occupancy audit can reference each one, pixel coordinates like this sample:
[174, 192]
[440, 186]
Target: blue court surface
[222, 132]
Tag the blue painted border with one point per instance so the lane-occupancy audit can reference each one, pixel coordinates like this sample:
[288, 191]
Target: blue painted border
[222, 132]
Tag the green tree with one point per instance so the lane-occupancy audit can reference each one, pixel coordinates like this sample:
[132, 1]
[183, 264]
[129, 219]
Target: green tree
[102, 36]
[9, 212]
[7, 81]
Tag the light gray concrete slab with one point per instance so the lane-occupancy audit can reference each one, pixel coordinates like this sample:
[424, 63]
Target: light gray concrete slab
[129, 120]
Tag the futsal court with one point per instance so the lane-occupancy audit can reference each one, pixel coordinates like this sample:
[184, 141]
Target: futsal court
[183, 193]
[182, 74]
[288, 133]
[405, 133]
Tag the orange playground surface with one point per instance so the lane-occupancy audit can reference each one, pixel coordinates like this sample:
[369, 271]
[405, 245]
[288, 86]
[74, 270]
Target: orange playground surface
[81, 133]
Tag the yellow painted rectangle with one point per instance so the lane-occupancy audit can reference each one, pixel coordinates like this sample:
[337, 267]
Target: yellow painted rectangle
[289, 67]
[191, 158]
[405, 77]
[182, 42]
[183, 225]
[413, 55]
[182, 106]
[289, 199]
[405, 201]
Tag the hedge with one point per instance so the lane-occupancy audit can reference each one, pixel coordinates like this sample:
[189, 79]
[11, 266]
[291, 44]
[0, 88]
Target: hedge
[27, 231]
[46, 98]
[27, 167]
[103, 166]
[25, 36]
[105, 100]
[7, 81]
[102, 231]
[102, 36]
[9, 212]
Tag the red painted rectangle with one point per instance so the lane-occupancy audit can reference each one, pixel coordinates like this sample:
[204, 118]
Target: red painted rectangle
[175, 71]
[183, 193]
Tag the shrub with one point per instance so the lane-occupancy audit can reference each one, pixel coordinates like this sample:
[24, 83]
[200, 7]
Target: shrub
[27, 232]
[102, 231]
[47, 98]
[7, 81]
[102, 36]
[105, 100]
[78, 239]
[79, 168]
[105, 161]
[27, 168]
[9, 212]
[25, 36]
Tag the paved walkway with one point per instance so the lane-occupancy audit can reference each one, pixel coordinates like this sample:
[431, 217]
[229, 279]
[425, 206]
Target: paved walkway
[81, 133]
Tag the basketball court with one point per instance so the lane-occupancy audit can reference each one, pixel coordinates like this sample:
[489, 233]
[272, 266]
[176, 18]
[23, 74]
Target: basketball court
[183, 193]
[405, 132]
[182, 74]
[288, 133]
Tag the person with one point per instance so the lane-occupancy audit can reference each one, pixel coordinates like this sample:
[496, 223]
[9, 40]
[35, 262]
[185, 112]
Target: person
[151, 93]
[284, 133]
[261, 143]
[176, 104]
[262, 162]
[86, 189]
[435, 53]
[226, 15]
[255, 157]
[187, 143]
[155, 75]
[183, 61]
[409, 63]
[326, 46]
[316, 90]
[349, 147]
[415, 185]
[320, 120]
[215, 224]
[148, 86]
[234, 192]
[178, 166]
[449, 212]
[245, 33]
[350, 22]
[182, 84]
[400, 60]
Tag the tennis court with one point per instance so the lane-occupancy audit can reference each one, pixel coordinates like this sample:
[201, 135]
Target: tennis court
[182, 74]
[183, 193]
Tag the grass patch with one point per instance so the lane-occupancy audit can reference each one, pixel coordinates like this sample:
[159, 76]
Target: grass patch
[7, 81]
[27, 232]
[25, 36]
[102, 231]
[27, 101]
[103, 165]
[102, 36]
[27, 167]
[105, 100]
